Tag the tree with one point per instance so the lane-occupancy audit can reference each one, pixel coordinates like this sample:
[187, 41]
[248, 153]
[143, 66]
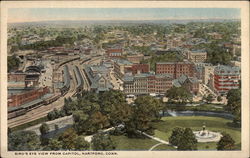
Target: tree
[80, 119]
[81, 143]
[234, 104]
[23, 141]
[187, 141]
[44, 129]
[54, 144]
[12, 63]
[226, 142]
[89, 123]
[219, 99]
[145, 110]
[177, 132]
[102, 142]
[95, 122]
[179, 95]
[68, 138]
[209, 98]
[113, 104]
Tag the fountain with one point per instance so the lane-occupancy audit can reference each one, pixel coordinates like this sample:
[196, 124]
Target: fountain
[207, 136]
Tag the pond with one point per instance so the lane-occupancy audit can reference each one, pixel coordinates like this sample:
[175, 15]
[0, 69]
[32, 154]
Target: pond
[174, 113]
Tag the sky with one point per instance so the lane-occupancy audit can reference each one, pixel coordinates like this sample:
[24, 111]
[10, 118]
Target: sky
[49, 14]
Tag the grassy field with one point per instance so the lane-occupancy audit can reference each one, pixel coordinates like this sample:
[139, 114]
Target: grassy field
[164, 147]
[165, 127]
[125, 143]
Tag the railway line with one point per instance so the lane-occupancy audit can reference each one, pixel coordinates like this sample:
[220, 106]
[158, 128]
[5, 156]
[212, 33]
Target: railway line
[42, 111]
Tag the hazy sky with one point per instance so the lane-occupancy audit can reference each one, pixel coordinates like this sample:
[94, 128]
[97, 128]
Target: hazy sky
[45, 14]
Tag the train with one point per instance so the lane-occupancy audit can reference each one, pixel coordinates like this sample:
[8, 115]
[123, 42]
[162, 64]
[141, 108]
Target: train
[79, 80]
[66, 80]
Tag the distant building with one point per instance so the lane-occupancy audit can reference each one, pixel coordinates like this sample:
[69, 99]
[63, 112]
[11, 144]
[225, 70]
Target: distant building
[146, 83]
[197, 56]
[135, 58]
[120, 66]
[138, 68]
[176, 68]
[99, 78]
[190, 83]
[25, 97]
[226, 78]
[207, 71]
[114, 52]
[215, 35]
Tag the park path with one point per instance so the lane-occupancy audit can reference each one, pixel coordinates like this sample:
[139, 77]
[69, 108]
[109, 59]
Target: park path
[155, 146]
[161, 141]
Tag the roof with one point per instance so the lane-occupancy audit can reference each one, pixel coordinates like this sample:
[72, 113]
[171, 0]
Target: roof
[99, 68]
[198, 51]
[182, 79]
[94, 79]
[128, 78]
[176, 83]
[227, 69]
[26, 105]
[179, 62]
[123, 62]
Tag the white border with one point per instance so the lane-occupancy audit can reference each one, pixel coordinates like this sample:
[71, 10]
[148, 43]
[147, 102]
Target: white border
[136, 4]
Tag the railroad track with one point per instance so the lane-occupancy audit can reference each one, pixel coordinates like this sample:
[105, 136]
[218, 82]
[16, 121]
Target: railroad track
[42, 111]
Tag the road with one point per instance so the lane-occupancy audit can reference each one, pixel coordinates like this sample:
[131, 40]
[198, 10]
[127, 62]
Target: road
[42, 111]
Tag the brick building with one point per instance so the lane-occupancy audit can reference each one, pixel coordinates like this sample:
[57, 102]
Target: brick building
[146, 83]
[226, 78]
[114, 52]
[22, 98]
[176, 68]
[138, 68]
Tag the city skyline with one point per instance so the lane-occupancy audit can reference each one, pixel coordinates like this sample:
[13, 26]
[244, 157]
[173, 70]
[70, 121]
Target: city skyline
[18, 15]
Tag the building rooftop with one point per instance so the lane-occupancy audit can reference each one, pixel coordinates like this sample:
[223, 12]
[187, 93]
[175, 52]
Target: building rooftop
[198, 51]
[178, 62]
[227, 69]
[123, 62]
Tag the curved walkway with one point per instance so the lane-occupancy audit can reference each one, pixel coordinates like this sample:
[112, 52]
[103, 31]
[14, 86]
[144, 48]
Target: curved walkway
[155, 146]
[161, 141]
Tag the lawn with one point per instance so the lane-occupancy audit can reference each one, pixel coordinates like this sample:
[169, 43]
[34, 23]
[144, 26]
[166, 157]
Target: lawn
[165, 127]
[164, 147]
[125, 143]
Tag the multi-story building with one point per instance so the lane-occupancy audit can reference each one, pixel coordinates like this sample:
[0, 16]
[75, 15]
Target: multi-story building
[176, 68]
[197, 55]
[226, 78]
[120, 66]
[25, 97]
[190, 83]
[207, 71]
[138, 68]
[114, 52]
[99, 78]
[146, 83]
